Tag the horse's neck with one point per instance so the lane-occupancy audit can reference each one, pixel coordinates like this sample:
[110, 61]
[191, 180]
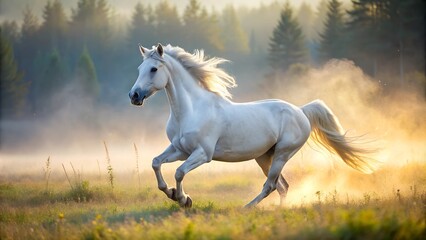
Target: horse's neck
[183, 91]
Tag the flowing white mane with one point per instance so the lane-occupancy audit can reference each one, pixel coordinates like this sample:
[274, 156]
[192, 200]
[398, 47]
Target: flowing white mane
[211, 77]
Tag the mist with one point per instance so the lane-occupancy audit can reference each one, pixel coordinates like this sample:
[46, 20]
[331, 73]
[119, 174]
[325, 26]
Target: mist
[381, 112]
[388, 122]
[75, 131]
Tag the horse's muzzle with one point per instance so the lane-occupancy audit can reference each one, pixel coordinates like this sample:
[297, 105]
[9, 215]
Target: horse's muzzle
[137, 97]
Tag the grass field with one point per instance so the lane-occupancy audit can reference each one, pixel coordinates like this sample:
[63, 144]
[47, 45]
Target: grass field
[41, 206]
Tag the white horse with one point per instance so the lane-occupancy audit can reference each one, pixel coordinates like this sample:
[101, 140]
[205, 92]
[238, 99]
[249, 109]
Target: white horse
[205, 125]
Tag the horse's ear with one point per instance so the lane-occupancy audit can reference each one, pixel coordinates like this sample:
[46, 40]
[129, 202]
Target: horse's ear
[142, 49]
[160, 50]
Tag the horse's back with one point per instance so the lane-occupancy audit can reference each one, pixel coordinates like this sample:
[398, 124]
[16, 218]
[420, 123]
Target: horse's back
[269, 110]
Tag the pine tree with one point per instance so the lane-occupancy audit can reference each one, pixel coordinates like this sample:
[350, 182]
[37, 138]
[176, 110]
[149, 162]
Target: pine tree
[201, 30]
[102, 25]
[13, 90]
[287, 44]
[192, 12]
[376, 35]
[320, 17]
[82, 22]
[305, 18]
[169, 26]
[28, 44]
[192, 19]
[332, 39]
[141, 30]
[214, 32]
[233, 35]
[51, 83]
[10, 31]
[413, 34]
[30, 26]
[54, 27]
[86, 78]
[90, 27]
[55, 72]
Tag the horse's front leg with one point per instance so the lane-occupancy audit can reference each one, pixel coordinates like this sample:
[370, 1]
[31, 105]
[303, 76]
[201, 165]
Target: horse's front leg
[171, 154]
[196, 159]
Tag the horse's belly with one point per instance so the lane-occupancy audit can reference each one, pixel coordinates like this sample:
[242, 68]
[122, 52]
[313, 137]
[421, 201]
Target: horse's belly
[242, 151]
[235, 157]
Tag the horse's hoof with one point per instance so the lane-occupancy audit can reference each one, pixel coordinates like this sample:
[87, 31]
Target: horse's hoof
[188, 203]
[174, 196]
[249, 206]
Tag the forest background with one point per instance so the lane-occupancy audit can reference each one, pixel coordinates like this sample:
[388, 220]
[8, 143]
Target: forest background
[71, 66]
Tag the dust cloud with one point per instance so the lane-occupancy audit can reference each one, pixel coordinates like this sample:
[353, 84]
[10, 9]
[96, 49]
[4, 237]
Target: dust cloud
[391, 122]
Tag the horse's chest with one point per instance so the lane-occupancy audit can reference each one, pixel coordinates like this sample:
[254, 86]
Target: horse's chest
[183, 136]
[186, 141]
[191, 133]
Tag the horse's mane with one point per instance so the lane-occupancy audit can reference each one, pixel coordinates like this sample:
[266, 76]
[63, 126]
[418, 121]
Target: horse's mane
[205, 70]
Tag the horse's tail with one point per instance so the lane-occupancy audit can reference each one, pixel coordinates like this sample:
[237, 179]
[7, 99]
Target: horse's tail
[327, 131]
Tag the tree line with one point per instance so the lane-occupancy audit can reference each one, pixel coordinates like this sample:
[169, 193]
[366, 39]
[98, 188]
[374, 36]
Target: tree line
[90, 55]
[384, 37]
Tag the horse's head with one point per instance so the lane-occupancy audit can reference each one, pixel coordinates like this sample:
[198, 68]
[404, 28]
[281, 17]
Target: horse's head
[153, 75]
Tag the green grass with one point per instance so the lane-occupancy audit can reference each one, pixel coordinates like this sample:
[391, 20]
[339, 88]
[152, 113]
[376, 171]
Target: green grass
[28, 211]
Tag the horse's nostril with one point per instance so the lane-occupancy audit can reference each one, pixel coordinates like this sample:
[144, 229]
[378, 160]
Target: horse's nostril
[135, 95]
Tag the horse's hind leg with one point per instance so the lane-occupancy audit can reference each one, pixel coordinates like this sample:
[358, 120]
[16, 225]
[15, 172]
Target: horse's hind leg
[283, 152]
[282, 188]
[265, 162]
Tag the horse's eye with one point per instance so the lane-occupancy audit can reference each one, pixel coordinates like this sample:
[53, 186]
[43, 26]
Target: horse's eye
[154, 69]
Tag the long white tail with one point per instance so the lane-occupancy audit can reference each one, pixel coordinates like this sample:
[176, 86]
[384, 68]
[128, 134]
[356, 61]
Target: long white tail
[327, 131]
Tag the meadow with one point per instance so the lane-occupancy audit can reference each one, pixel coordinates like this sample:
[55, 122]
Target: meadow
[389, 204]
